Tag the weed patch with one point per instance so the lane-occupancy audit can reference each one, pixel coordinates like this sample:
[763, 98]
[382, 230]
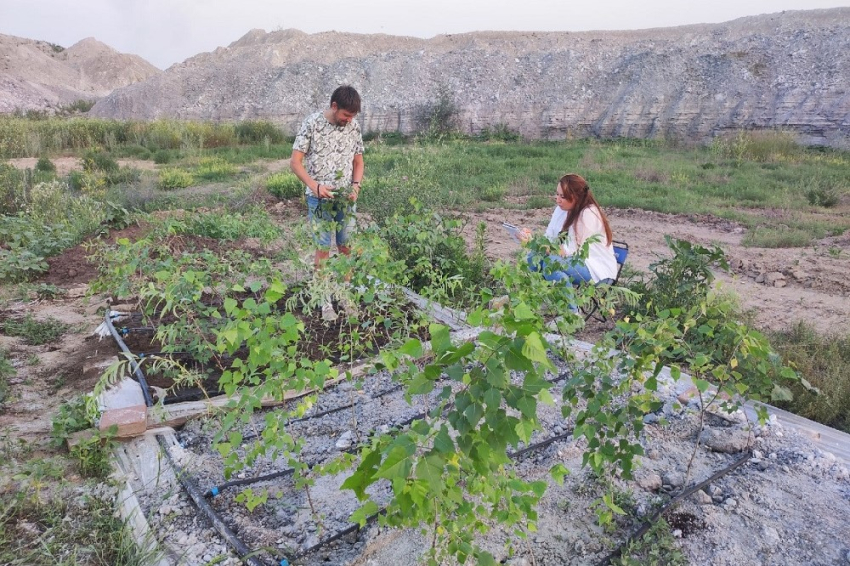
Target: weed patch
[34, 332]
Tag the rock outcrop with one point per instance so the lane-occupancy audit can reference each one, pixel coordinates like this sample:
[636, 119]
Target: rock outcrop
[786, 70]
[36, 75]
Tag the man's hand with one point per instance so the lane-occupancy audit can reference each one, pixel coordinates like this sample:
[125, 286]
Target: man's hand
[324, 191]
[355, 191]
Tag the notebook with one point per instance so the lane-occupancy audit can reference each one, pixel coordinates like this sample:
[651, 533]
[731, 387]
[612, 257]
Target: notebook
[513, 231]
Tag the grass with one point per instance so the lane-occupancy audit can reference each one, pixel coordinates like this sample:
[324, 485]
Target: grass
[7, 371]
[647, 175]
[34, 332]
[823, 360]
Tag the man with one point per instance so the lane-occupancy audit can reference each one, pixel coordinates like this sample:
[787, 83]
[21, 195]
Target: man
[332, 144]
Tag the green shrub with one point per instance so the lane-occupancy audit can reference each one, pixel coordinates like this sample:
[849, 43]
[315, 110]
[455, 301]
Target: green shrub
[7, 371]
[101, 161]
[45, 165]
[259, 131]
[163, 157]
[175, 179]
[85, 182]
[132, 150]
[823, 192]
[284, 185]
[499, 132]
[124, 175]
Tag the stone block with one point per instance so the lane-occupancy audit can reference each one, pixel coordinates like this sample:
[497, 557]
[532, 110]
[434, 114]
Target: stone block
[131, 421]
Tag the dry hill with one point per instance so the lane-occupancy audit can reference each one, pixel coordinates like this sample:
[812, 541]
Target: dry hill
[785, 70]
[36, 75]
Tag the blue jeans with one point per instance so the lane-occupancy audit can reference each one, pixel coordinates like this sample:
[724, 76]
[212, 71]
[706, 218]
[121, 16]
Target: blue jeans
[557, 268]
[327, 215]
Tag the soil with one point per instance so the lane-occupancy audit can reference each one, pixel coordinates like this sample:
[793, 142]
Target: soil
[787, 505]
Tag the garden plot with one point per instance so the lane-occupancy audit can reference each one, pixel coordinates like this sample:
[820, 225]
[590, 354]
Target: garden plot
[779, 475]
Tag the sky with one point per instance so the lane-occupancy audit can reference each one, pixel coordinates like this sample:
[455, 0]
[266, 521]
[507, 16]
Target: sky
[165, 32]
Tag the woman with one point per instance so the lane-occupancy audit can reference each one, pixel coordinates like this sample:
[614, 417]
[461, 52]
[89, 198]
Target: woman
[578, 216]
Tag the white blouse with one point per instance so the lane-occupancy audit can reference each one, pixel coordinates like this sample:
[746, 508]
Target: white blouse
[601, 261]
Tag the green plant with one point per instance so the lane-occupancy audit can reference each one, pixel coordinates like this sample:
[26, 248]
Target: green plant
[7, 371]
[163, 157]
[214, 169]
[438, 118]
[99, 161]
[175, 179]
[45, 165]
[284, 185]
[655, 548]
[34, 332]
[823, 193]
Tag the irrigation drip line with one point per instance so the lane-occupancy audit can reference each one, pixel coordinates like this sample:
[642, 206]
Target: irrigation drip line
[137, 370]
[672, 503]
[183, 477]
[539, 445]
[188, 484]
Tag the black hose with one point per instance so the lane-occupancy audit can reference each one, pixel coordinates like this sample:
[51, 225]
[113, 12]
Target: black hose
[672, 503]
[137, 371]
[186, 481]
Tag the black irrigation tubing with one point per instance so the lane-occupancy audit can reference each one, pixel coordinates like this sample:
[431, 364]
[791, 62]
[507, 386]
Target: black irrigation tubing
[338, 535]
[185, 480]
[137, 371]
[217, 489]
[672, 503]
[247, 555]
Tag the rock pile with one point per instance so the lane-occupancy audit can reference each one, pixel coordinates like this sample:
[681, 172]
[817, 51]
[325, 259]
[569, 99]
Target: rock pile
[694, 82]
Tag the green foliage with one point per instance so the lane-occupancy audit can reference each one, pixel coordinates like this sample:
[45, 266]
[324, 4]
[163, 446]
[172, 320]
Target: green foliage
[823, 361]
[680, 281]
[258, 131]
[99, 161]
[438, 118]
[824, 192]
[214, 169]
[7, 371]
[175, 179]
[45, 165]
[500, 132]
[77, 107]
[34, 332]
[435, 253]
[284, 185]
[656, 548]
[163, 157]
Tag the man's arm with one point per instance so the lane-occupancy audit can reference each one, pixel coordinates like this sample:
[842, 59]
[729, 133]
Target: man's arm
[297, 166]
[357, 174]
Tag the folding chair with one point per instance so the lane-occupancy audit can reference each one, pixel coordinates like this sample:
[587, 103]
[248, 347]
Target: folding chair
[621, 252]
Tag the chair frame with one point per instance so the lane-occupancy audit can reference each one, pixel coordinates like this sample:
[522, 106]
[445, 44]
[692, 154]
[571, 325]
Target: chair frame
[592, 310]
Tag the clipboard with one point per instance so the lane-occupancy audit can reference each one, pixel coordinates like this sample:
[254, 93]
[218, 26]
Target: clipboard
[513, 231]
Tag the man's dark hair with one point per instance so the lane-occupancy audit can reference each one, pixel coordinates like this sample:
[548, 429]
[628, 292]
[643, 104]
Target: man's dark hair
[346, 98]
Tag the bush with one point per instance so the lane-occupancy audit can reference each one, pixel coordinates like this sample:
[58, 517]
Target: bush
[45, 165]
[163, 157]
[7, 370]
[284, 185]
[250, 132]
[439, 117]
[174, 179]
[823, 192]
[99, 161]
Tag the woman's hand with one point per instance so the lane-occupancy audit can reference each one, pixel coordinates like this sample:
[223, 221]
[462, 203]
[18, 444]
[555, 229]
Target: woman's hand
[524, 235]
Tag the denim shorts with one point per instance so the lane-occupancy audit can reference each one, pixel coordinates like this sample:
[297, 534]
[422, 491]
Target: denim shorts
[328, 215]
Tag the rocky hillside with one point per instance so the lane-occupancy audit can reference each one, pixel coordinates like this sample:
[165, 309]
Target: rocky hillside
[36, 75]
[785, 70]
